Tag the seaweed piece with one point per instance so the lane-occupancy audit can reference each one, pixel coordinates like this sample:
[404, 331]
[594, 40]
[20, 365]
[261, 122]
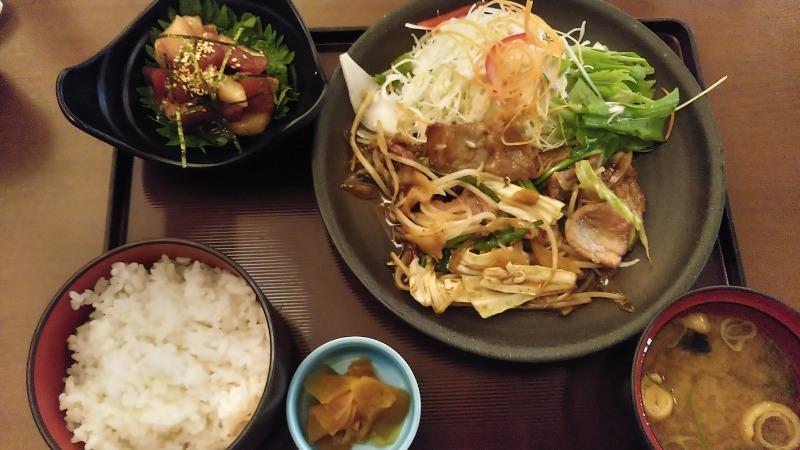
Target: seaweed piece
[695, 342]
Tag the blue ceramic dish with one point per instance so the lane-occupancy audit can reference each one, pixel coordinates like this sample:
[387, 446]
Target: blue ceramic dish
[390, 368]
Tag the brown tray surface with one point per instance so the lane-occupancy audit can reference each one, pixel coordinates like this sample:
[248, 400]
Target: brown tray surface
[266, 217]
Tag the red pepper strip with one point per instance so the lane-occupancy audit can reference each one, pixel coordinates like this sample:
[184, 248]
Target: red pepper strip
[491, 68]
[460, 12]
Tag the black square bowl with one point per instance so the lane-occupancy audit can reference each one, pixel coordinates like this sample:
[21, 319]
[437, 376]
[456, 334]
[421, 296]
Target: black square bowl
[99, 96]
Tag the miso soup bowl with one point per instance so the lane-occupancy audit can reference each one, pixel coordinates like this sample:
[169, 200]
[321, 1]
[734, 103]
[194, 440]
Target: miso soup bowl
[777, 320]
[49, 356]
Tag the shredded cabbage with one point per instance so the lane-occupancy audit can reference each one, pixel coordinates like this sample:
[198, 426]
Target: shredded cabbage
[558, 93]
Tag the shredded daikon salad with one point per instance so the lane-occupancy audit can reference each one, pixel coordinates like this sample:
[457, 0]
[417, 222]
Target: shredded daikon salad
[501, 61]
[471, 234]
[448, 86]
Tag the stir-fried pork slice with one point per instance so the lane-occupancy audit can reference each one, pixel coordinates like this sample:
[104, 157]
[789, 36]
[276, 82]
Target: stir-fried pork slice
[620, 166]
[629, 191]
[621, 177]
[561, 184]
[599, 233]
[467, 146]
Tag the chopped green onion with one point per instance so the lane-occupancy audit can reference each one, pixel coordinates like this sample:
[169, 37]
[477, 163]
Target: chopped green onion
[458, 240]
[605, 145]
[703, 441]
[498, 238]
[483, 188]
[443, 265]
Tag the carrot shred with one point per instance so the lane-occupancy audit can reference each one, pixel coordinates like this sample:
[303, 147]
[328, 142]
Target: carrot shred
[671, 120]
[669, 127]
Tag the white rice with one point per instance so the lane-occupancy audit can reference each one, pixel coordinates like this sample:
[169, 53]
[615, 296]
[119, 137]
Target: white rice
[174, 358]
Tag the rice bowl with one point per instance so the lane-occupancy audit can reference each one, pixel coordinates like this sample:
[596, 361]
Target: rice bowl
[174, 357]
[159, 344]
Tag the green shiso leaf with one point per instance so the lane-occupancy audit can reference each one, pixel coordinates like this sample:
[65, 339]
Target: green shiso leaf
[190, 7]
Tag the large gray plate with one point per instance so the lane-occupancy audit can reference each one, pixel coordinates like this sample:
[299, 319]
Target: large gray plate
[683, 180]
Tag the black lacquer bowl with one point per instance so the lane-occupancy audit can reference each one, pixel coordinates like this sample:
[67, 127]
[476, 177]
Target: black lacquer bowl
[683, 180]
[99, 95]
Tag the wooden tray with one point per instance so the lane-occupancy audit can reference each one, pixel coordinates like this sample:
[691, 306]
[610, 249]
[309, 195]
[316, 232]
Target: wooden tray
[265, 216]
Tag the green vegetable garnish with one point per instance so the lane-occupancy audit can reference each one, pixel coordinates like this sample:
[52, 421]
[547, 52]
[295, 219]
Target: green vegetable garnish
[494, 240]
[498, 238]
[482, 187]
[606, 145]
[609, 107]
[458, 240]
[703, 441]
[402, 64]
[443, 265]
[609, 98]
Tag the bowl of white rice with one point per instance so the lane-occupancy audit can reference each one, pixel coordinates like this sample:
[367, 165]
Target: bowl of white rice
[161, 344]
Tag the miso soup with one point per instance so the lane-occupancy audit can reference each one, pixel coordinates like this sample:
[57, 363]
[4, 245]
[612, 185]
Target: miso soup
[716, 382]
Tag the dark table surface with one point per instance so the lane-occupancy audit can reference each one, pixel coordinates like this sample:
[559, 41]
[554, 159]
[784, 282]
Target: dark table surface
[55, 180]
